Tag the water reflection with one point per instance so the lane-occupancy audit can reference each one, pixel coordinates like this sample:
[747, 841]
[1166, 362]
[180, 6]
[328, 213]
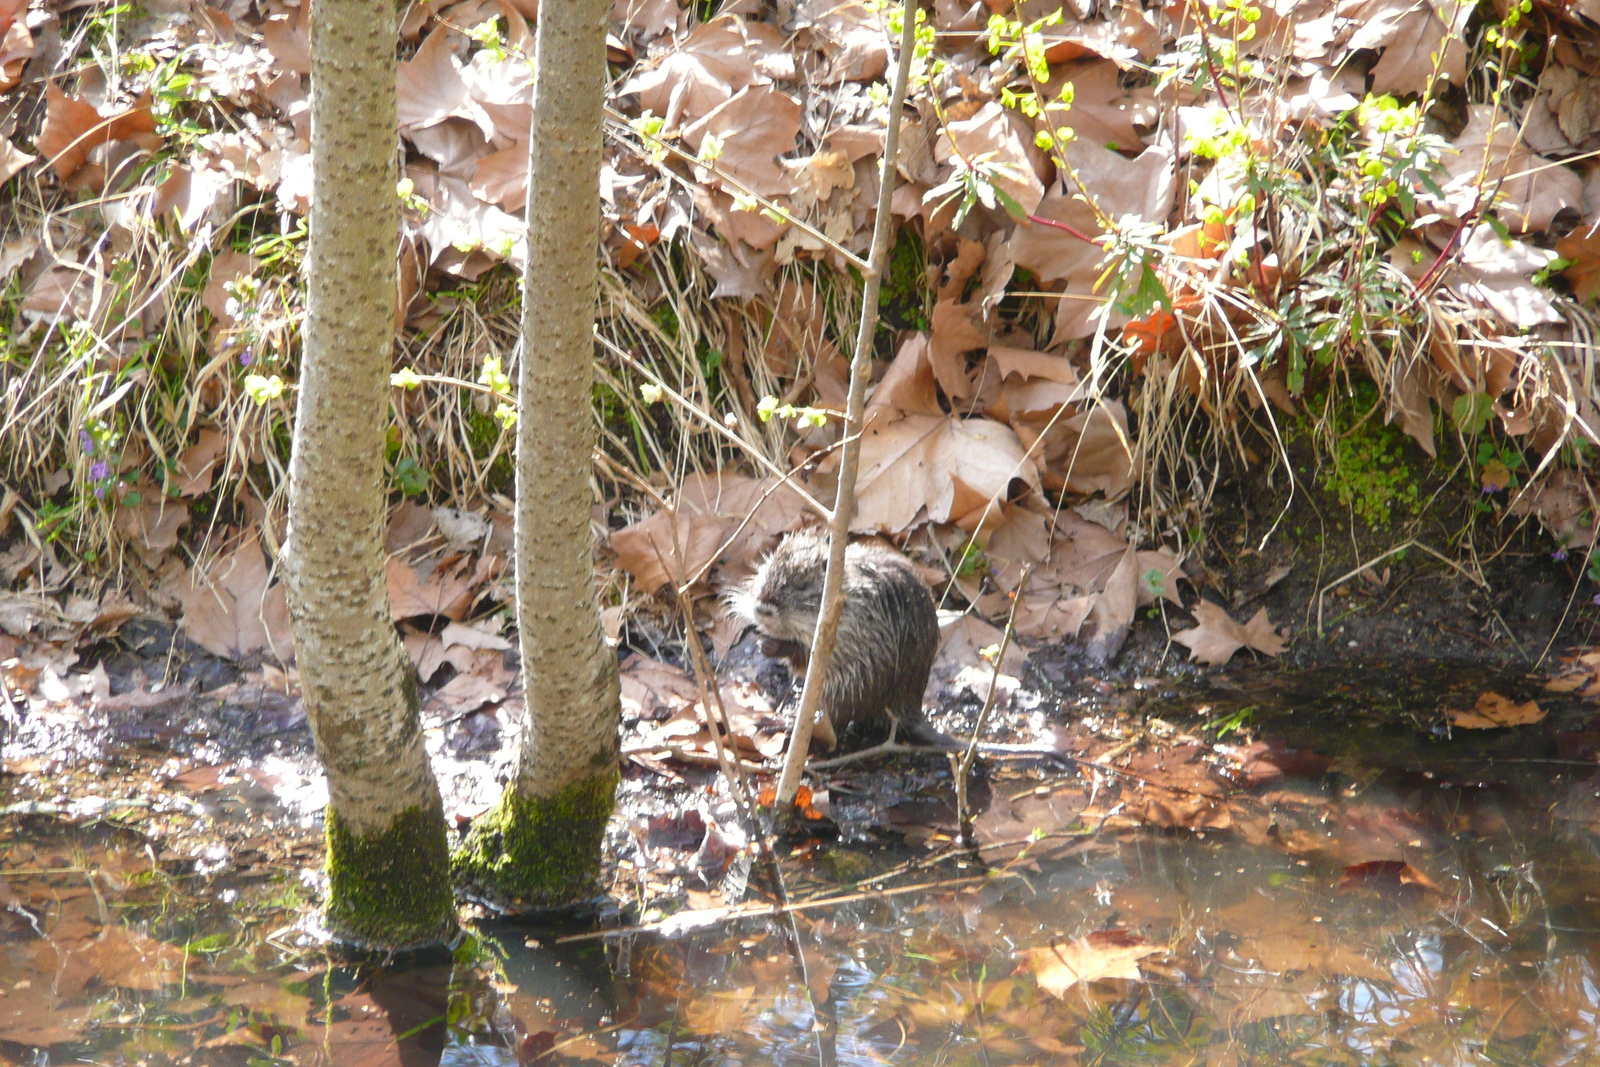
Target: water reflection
[1397, 899]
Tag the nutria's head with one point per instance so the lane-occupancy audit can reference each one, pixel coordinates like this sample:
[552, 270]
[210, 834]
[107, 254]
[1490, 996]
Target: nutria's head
[784, 595]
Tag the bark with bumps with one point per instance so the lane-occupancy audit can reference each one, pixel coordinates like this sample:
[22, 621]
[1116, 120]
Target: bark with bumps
[541, 847]
[388, 858]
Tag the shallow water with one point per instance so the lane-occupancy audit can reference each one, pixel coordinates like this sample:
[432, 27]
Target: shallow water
[1376, 891]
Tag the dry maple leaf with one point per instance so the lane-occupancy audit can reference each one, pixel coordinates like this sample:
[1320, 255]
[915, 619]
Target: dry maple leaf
[754, 128]
[1217, 637]
[1493, 711]
[1102, 954]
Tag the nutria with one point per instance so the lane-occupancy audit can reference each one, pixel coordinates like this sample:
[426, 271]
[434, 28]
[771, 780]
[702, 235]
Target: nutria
[888, 632]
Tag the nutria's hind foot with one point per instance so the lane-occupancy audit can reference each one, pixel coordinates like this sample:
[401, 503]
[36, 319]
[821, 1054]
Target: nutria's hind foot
[918, 732]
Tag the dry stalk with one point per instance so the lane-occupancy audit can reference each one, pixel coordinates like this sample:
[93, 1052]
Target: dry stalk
[961, 766]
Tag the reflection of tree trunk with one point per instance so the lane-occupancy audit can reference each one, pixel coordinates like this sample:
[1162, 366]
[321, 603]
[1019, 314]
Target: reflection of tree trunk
[542, 845]
[388, 863]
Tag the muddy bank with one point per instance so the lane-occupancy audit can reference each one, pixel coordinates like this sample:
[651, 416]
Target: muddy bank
[1447, 573]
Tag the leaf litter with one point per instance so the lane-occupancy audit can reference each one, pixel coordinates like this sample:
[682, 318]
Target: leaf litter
[988, 460]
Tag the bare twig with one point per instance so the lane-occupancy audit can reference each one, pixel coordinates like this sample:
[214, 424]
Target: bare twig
[844, 505]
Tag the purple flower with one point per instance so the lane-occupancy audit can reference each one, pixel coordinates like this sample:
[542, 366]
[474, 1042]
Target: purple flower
[1489, 490]
[100, 494]
[1559, 555]
[246, 358]
[1597, 600]
[86, 441]
[101, 469]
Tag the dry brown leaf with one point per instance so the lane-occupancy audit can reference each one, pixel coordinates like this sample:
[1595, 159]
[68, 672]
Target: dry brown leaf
[156, 524]
[1492, 711]
[1102, 954]
[1142, 187]
[16, 48]
[908, 386]
[653, 690]
[198, 463]
[992, 136]
[713, 62]
[953, 334]
[754, 128]
[850, 37]
[1411, 35]
[431, 88]
[12, 160]
[231, 610]
[1529, 189]
[1385, 874]
[1216, 637]
[710, 508]
[448, 590]
[935, 466]
[1579, 673]
[1498, 273]
[73, 128]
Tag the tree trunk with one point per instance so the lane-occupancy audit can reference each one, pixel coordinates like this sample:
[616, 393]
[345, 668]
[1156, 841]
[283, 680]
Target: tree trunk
[388, 859]
[541, 846]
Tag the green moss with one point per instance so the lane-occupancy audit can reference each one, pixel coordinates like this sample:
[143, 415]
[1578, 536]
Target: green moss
[1369, 475]
[538, 852]
[390, 889]
[902, 302]
[483, 433]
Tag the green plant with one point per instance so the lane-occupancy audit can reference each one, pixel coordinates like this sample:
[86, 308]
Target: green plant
[1368, 473]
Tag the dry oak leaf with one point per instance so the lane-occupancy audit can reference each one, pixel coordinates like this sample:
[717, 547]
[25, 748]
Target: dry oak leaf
[1217, 637]
[73, 128]
[1493, 711]
[230, 609]
[1102, 954]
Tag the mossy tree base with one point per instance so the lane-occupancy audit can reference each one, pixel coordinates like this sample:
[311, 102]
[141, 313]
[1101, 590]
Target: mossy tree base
[538, 852]
[390, 890]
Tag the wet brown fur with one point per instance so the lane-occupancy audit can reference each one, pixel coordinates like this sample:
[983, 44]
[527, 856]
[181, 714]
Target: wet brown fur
[888, 630]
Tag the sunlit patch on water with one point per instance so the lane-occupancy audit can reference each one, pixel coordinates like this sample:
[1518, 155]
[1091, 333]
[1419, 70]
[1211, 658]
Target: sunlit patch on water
[1370, 890]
